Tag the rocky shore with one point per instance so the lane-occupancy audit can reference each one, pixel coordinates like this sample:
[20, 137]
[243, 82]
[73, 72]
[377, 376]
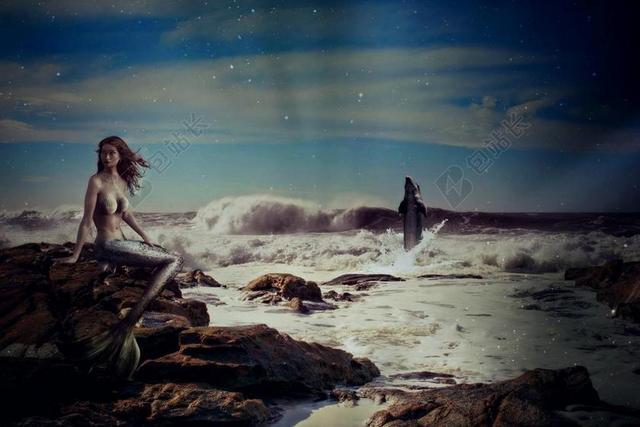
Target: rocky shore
[195, 374]
[190, 373]
[541, 397]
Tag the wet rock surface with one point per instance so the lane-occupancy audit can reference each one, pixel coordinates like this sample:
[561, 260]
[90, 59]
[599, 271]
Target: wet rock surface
[344, 296]
[557, 301]
[425, 376]
[617, 284]
[161, 404]
[345, 396]
[257, 359]
[284, 286]
[195, 278]
[298, 305]
[535, 398]
[450, 276]
[357, 280]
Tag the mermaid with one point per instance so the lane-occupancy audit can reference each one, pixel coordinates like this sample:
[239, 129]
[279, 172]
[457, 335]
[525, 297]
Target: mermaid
[106, 204]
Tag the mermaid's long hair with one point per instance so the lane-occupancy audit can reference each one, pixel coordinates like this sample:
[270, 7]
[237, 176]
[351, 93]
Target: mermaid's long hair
[129, 164]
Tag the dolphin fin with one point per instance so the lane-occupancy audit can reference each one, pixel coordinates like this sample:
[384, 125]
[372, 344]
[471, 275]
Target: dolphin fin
[422, 208]
[403, 207]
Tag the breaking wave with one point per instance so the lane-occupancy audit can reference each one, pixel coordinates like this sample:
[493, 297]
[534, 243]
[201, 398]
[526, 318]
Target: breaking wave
[263, 214]
[33, 218]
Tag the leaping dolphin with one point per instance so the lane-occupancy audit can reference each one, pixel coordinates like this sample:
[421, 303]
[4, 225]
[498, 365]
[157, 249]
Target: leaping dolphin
[411, 207]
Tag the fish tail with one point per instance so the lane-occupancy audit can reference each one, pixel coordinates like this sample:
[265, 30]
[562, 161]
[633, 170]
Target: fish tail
[114, 350]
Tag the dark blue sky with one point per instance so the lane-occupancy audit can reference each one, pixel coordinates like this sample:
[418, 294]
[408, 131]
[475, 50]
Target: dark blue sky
[332, 102]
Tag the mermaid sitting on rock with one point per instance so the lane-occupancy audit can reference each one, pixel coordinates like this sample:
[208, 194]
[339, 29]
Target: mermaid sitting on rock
[105, 203]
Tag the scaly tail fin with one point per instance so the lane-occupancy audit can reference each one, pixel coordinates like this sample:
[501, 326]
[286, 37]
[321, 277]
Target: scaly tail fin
[114, 350]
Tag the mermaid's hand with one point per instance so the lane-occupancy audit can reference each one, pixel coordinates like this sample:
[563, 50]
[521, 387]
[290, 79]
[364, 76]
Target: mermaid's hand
[148, 242]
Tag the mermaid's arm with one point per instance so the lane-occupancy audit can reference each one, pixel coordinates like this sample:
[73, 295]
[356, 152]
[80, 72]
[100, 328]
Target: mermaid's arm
[128, 217]
[84, 230]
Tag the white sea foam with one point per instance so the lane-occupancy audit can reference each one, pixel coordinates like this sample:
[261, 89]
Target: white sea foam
[367, 251]
[363, 250]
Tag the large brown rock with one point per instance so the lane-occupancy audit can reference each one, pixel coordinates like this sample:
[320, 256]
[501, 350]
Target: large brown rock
[257, 359]
[160, 404]
[300, 295]
[531, 399]
[156, 342]
[617, 283]
[195, 278]
[159, 334]
[194, 310]
[194, 404]
[26, 316]
[283, 285]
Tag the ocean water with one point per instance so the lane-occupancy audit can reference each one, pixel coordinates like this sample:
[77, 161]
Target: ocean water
[521, 315]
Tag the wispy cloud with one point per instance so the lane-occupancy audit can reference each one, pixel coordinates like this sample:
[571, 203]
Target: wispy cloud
[271, 21]
[12, 131]
[451, 96]
[448, 94]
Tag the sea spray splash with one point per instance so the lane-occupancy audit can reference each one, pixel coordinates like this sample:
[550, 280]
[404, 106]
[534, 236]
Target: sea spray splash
[394, 259]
